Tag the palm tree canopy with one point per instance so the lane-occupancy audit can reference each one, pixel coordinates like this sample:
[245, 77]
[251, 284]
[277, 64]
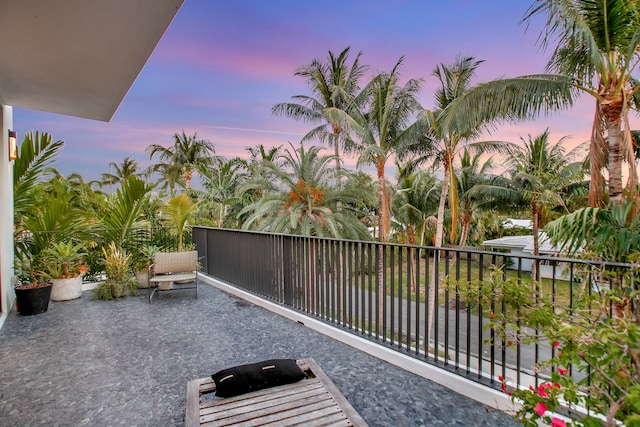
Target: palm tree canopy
[298, 198]
[35, 156]
[128, 167]
[333, 84]
[182, 158]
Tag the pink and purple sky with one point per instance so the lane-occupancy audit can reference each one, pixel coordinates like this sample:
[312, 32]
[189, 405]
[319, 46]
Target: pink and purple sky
[222, 65]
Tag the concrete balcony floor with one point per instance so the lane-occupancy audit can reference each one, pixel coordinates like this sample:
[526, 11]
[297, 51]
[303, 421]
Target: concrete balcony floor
[127, 363]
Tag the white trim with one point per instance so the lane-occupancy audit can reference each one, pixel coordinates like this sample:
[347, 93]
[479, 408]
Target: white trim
[476, 391]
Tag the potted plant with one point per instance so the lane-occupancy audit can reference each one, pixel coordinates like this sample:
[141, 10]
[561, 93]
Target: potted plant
[33, 291]
[117, 268]
[65, 267]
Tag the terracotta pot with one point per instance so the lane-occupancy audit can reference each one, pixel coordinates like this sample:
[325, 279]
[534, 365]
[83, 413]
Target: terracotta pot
[33, 300]
[66, 289]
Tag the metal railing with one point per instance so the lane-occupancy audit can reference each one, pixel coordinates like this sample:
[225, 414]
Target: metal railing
[402, 302]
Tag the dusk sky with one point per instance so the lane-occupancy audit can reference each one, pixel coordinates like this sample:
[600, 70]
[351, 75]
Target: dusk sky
[222, 65]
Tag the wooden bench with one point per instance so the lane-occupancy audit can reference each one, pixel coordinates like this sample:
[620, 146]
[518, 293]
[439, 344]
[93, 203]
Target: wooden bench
[173, 268]
[314, 401]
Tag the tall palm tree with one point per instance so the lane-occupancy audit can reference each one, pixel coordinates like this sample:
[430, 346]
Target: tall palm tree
[333, 84]
[183, 157]
[128, 167]
[298, 200]
[596, 54]
[450, 139]
[389, 127]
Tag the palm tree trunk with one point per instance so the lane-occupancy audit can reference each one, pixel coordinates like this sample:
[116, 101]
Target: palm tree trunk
[464, 232]
[597, 151]
[431, 298]
[615, 162]
[336, 147]
[536, 244]
[632, 182]
[411, 239]
[443, 200]
[383, 236]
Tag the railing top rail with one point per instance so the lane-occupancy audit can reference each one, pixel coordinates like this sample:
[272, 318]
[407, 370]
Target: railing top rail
[484, 252]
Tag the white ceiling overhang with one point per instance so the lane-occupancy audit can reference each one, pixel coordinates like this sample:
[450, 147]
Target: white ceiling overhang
[77, 57]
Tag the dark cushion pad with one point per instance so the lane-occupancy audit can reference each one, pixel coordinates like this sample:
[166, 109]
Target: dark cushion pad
[256, 376]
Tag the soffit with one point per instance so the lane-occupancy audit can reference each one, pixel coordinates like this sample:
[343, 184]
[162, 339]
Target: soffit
[77, 57]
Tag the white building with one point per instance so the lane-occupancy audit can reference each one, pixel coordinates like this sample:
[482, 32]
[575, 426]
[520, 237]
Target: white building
[521, 247]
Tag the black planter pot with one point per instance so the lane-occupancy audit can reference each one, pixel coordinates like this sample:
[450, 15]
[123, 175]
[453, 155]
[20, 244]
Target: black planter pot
[30, 301]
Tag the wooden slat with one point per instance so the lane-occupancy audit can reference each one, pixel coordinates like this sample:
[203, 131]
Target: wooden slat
[315, 401]
[268, 407]
[335, 420]
[279, 397]
[344, 404]
[192, 416]
[301, 414]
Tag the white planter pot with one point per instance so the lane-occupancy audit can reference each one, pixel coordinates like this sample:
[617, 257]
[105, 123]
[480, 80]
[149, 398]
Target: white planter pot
[66, 289]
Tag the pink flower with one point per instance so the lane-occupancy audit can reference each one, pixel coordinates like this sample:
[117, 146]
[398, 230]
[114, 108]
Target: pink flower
[501, 378]
[556, 344]
[562, 371]
[557, 422]
[540, 408]
[542, 389]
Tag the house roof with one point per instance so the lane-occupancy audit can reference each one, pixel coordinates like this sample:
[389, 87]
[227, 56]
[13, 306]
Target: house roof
[77, 57]
[525, 243]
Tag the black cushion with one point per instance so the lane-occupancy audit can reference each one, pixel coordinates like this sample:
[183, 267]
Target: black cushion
[256, 376]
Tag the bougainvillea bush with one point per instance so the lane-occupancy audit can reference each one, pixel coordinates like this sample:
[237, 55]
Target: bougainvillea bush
[595, 363]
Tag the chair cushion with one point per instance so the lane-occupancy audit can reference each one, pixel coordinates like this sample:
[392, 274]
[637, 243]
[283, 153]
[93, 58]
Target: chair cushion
[256, 376]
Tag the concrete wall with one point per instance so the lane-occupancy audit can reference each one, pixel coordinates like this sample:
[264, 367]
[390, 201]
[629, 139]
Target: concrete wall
[6, 216]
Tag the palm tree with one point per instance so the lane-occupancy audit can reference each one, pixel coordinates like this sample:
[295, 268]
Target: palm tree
[333, 84]
[182, 159]
[449, 139]
[221, 182]
[391, 125]
[472, 173]
[414, 203]
[124, 220]
[128, 167]
[542, 172]
[596, 54]
[177, 212]
[540, 176]
[298, 200]
[36, 154]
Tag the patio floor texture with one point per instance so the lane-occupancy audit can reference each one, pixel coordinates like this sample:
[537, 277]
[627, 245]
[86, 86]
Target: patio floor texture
[127, 363]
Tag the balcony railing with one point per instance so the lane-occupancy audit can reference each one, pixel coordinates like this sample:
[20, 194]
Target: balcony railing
[338, 282]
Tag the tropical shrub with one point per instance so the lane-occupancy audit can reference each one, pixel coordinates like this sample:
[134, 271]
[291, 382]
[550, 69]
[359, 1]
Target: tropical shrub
[118, 269]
